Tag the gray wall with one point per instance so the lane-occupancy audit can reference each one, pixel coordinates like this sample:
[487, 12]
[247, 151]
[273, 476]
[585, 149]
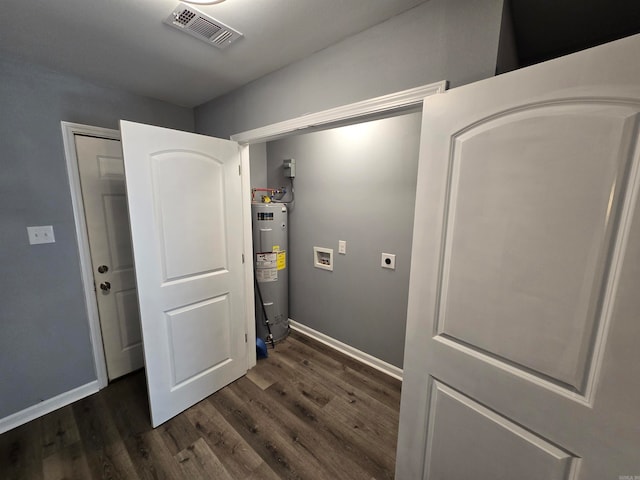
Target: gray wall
[454, 40]
[258, 165]
[354, 183]
[45, 348]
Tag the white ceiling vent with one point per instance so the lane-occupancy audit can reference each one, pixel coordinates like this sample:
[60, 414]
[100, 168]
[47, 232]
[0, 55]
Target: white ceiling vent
[192, 21]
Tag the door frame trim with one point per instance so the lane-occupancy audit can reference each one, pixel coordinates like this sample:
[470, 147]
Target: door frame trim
[69, 131]
[342, 115]
[370, 109]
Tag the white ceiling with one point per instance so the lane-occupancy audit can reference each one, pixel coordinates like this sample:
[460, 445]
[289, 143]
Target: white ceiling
[125, 44]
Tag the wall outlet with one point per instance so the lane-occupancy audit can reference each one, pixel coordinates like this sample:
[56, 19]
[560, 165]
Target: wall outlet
[388, 261]
[342, 247]
[43, 234]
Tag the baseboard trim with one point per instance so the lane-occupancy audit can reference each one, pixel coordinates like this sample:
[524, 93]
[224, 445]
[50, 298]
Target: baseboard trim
[359, 355]
[47, 406]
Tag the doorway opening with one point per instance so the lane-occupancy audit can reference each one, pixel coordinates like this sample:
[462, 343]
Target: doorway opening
[362, 111]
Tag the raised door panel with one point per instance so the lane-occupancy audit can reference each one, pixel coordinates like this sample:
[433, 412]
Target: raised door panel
[529, 231]
[493, 447]
[189, 192]
[200, 337]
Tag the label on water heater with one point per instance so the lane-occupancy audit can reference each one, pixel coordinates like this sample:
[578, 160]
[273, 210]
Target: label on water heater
[267, 267]
[282, 260]
[262, 216]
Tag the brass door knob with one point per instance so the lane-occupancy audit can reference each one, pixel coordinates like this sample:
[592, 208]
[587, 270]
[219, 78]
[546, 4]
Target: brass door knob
[105, 286]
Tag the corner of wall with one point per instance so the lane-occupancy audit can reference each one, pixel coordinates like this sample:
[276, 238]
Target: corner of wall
[507, 59]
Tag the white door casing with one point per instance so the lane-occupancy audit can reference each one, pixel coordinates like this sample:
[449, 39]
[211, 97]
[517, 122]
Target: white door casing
[522, 358]
[185, 209]
[101, 172]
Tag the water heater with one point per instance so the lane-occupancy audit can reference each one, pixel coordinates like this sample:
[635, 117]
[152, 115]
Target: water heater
[270, 235]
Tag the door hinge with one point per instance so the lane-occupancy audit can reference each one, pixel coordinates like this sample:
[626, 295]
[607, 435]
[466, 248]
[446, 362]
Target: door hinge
[243, 258]
[245, 338]
[240, 170]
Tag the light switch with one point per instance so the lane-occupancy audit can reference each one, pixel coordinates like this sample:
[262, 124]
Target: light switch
[42, 234]
[342, 247]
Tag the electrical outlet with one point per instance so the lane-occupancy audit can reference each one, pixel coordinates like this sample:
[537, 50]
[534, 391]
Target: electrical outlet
[388, 261]
[43, 234]
[342, 247]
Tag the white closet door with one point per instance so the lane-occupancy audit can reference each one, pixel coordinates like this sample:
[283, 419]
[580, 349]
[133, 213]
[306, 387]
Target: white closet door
[522, 358]
[186, 224]
[105, 204]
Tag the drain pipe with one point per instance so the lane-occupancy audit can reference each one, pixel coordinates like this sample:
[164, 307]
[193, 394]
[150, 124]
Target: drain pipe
[264, 310]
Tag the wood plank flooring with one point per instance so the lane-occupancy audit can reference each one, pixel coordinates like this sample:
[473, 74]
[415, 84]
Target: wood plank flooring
[306, 412]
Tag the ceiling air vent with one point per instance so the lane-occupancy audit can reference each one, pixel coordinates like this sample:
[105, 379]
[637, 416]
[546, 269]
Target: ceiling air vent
[192, 21]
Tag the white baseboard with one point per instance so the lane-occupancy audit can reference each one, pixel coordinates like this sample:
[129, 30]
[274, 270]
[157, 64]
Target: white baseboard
[47, 406]
[359, 355]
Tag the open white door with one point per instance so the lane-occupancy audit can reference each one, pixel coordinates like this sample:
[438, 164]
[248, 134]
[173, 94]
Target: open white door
[522, 358]
[185, 207]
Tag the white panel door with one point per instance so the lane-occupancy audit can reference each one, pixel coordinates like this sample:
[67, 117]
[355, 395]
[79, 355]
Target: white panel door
[186, 226]
[105, 203]
[522, 358]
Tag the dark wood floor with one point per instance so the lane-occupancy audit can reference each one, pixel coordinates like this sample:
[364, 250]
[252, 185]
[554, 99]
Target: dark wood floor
[306, 412]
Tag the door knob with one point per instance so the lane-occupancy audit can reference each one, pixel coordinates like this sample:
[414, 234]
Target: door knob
[105, 286]
[103, 269]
